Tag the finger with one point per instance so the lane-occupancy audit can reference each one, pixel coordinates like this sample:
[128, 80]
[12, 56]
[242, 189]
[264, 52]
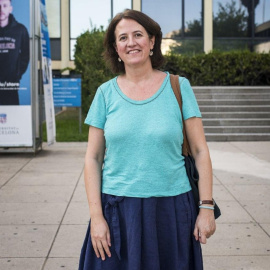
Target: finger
[196, 233]
[108, 236]
[106, 248]
[202, 238]
[101, 250]
[94, 244]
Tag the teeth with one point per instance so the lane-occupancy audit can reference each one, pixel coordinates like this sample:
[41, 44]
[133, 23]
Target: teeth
[134, 51]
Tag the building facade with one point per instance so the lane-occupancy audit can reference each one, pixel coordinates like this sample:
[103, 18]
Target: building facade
[188, 27]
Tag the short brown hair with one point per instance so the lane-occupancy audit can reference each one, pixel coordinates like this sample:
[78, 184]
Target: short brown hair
[151, 27]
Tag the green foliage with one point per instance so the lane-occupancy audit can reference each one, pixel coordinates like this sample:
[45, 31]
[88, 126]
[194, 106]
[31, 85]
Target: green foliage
[67, 127]
[222, 68]
[230, 21]
[90, 64]
[188, 47]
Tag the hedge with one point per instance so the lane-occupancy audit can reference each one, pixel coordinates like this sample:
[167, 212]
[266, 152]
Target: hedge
[241, 68]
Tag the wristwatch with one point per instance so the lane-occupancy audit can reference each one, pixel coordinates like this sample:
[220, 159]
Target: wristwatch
[211, 202]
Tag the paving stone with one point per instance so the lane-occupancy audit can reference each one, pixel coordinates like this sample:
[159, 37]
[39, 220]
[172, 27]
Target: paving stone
[21, 194]
[220, 193]
[252, 147]
[80, 194]
[238, 240]
[28, 178]
[259, 210]
[53, 168]
[233, 212]
[62, 264]
[26, 240]
[236, 262]
[21, 263]
[266, 227]
[239, 179]
[240, 163]
[77, 213]
[69, 241]
[250, 192]
[31, 213]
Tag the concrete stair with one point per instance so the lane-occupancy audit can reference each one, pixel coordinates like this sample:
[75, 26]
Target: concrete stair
[235, 113]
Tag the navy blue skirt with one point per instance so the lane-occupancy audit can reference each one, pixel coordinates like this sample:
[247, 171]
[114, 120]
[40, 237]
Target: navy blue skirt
[147, 234]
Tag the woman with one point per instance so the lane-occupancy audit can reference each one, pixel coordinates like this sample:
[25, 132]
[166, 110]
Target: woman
[141, 207]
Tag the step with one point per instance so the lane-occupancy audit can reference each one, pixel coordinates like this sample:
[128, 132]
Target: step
[242, 96]
[237, 137]
[220, 115]
[236, 129]
[234, 102]
[231, 89]
[237, 122]
[234, 108]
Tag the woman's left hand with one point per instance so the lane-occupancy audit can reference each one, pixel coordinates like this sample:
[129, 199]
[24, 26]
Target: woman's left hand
[205, 225]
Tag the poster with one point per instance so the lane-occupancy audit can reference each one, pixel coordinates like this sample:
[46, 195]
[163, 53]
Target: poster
[47, 75]
[15, 89]
[67, 92]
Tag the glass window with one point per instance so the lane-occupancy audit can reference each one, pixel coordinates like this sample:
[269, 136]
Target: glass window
[87, 14]
[120, 5]
[167, 13]
[262, 12]
[54, 18]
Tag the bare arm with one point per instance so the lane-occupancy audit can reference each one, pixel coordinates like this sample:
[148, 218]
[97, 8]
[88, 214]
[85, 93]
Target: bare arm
[99, 230]
[205, 224]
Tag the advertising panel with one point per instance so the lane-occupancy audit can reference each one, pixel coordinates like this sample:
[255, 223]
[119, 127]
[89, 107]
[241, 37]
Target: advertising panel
[15, 89]
[47, 75]
[67, 92]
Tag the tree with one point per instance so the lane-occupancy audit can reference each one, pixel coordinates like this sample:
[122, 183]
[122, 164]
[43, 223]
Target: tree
[250, 5]
[230, 21]
[90, 64]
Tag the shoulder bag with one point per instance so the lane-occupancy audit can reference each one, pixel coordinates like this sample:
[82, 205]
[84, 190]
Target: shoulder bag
[190, 165]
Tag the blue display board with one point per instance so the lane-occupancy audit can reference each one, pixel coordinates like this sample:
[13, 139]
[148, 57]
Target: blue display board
[67, 92]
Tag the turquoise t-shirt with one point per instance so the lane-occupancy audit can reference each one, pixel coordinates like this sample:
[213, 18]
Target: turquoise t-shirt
[144, 139]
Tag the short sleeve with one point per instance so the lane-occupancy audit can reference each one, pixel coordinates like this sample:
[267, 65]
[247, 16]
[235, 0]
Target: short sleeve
[96, 116]
[190, 106]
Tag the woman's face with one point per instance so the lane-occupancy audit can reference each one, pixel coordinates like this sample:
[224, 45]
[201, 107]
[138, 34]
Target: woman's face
[133, 44]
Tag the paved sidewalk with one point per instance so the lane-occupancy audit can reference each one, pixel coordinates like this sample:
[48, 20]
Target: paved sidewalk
[44, 211]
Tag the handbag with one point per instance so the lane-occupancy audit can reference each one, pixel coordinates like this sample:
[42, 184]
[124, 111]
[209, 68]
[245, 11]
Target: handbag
[192, 172]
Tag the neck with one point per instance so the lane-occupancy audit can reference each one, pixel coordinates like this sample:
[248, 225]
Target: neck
[4, 23]
[136, 74]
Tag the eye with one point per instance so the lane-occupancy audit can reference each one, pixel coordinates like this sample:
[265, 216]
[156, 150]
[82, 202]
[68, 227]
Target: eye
[138, 35]
[122, 38]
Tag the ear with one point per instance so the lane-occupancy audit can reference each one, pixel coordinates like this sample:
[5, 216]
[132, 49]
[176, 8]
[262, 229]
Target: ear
[152, 42]
[114, 45]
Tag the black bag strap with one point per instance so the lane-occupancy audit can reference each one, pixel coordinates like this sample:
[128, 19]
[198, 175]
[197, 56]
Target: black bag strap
[177, 92]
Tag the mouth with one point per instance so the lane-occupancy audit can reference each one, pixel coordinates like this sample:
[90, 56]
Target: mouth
[133, 51]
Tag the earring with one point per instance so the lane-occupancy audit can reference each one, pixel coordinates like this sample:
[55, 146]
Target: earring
[151, 53]
[119, 59]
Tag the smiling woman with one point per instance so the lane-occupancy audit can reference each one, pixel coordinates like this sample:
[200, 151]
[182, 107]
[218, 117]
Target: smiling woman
[141, 206]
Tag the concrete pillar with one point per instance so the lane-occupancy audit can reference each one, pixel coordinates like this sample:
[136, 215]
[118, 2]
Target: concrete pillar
[65, 41]
[137, 5]
[208, 26]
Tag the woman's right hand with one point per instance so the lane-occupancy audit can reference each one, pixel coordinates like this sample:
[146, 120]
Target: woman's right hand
[100, 235]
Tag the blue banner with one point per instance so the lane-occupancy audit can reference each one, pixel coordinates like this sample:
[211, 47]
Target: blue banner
[47, 75]
[67, 92]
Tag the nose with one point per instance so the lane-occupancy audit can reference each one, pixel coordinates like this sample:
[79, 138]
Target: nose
[131, 41]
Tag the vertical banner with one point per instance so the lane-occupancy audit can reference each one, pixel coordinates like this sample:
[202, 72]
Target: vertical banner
[15, 91]
[47, 75]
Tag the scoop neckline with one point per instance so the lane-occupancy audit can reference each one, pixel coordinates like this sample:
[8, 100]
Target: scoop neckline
[144, 101]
